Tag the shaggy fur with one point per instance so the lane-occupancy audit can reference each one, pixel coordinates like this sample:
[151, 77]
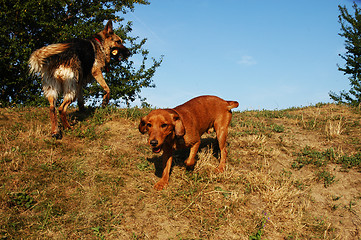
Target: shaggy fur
[66, 67]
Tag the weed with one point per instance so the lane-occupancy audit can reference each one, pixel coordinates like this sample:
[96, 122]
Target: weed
[318, 226]
[144, 166]
[350, 161]
[312, 122]
[278, 128]
[313, 157]
[254, 127]
[48, 211]
[136, 113]
[88, 132]
[350, 206]
[335, 198]
[326, 176]
[335, 207]
[318, 159]
[225, 194]
[22, 200]
[97, 232]
[333, 128]
[117, 159]
[299, 185]
[136, 237]
[291, 236]
[102, 115]
[260, 228]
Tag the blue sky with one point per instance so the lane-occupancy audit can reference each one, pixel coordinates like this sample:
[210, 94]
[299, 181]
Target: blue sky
[264, 54]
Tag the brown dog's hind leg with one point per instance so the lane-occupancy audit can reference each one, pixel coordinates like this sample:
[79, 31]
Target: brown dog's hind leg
[221, 128]
[222, 146]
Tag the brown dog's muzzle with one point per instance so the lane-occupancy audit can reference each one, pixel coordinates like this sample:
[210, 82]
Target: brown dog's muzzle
[159, 136]
[156, 140]
[155, 147]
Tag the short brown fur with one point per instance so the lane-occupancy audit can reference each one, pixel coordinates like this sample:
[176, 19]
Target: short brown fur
[183, 126]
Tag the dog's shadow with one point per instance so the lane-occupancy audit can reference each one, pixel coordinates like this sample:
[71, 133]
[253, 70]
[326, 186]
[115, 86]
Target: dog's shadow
[77, 115]
[179, 156]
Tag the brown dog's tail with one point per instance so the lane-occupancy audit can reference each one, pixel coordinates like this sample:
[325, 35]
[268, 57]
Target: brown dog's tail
[37, 58]
[232, 104]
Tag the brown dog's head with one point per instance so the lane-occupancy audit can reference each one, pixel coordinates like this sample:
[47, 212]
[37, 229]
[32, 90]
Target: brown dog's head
[162, 125]
[112, 43]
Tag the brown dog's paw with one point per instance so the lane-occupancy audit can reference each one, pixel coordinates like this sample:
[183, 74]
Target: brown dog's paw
[160, 185]
[190, 162]
[219, 169]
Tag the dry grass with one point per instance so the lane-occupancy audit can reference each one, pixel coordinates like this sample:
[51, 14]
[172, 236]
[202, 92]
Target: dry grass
[334, 128]
[291, 174]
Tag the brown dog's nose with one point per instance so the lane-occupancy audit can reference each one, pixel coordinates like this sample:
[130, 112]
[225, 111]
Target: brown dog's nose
[153, 143]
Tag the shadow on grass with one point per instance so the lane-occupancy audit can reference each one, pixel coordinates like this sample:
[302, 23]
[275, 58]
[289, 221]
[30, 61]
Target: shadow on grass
[179, 156]
[80, 116]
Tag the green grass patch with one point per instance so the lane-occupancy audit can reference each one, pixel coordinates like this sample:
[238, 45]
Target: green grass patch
[309, 156]
[326, 177]
[350, 161]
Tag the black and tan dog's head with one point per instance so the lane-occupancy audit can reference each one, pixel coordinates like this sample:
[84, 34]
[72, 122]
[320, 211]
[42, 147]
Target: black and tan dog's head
[162, 125]
[112, 43]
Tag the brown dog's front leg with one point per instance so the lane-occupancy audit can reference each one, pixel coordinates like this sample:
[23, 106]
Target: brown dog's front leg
[191, 160]
[167, 164]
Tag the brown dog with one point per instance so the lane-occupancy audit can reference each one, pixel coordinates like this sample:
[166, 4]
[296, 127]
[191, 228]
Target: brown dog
[183, 126]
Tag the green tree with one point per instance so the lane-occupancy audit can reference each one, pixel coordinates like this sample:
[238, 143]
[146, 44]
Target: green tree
[351, 31]
[27, 25]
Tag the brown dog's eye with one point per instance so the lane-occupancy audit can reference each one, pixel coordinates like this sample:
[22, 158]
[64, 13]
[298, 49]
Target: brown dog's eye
[149, 125]
[164, 125]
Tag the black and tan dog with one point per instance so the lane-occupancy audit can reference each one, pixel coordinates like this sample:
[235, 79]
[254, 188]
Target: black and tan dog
[183, 126]
[67, 67]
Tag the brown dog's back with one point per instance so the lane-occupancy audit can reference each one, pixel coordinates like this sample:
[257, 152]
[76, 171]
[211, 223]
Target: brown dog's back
[200, 113]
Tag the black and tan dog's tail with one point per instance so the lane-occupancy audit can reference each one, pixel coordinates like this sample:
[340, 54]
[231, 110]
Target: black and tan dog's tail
[232, 104]
[37, 58]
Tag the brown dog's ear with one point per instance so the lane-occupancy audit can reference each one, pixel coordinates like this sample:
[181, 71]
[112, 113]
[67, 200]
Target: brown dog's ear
[178, 126]
[143, 125]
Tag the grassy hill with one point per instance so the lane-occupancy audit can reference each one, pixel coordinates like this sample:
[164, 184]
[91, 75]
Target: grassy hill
[291, 174]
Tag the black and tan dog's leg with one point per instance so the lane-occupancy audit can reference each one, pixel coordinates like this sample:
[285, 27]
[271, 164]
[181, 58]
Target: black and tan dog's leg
[62, 112]
[53, 118]
[80, 98]
[97, 73]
